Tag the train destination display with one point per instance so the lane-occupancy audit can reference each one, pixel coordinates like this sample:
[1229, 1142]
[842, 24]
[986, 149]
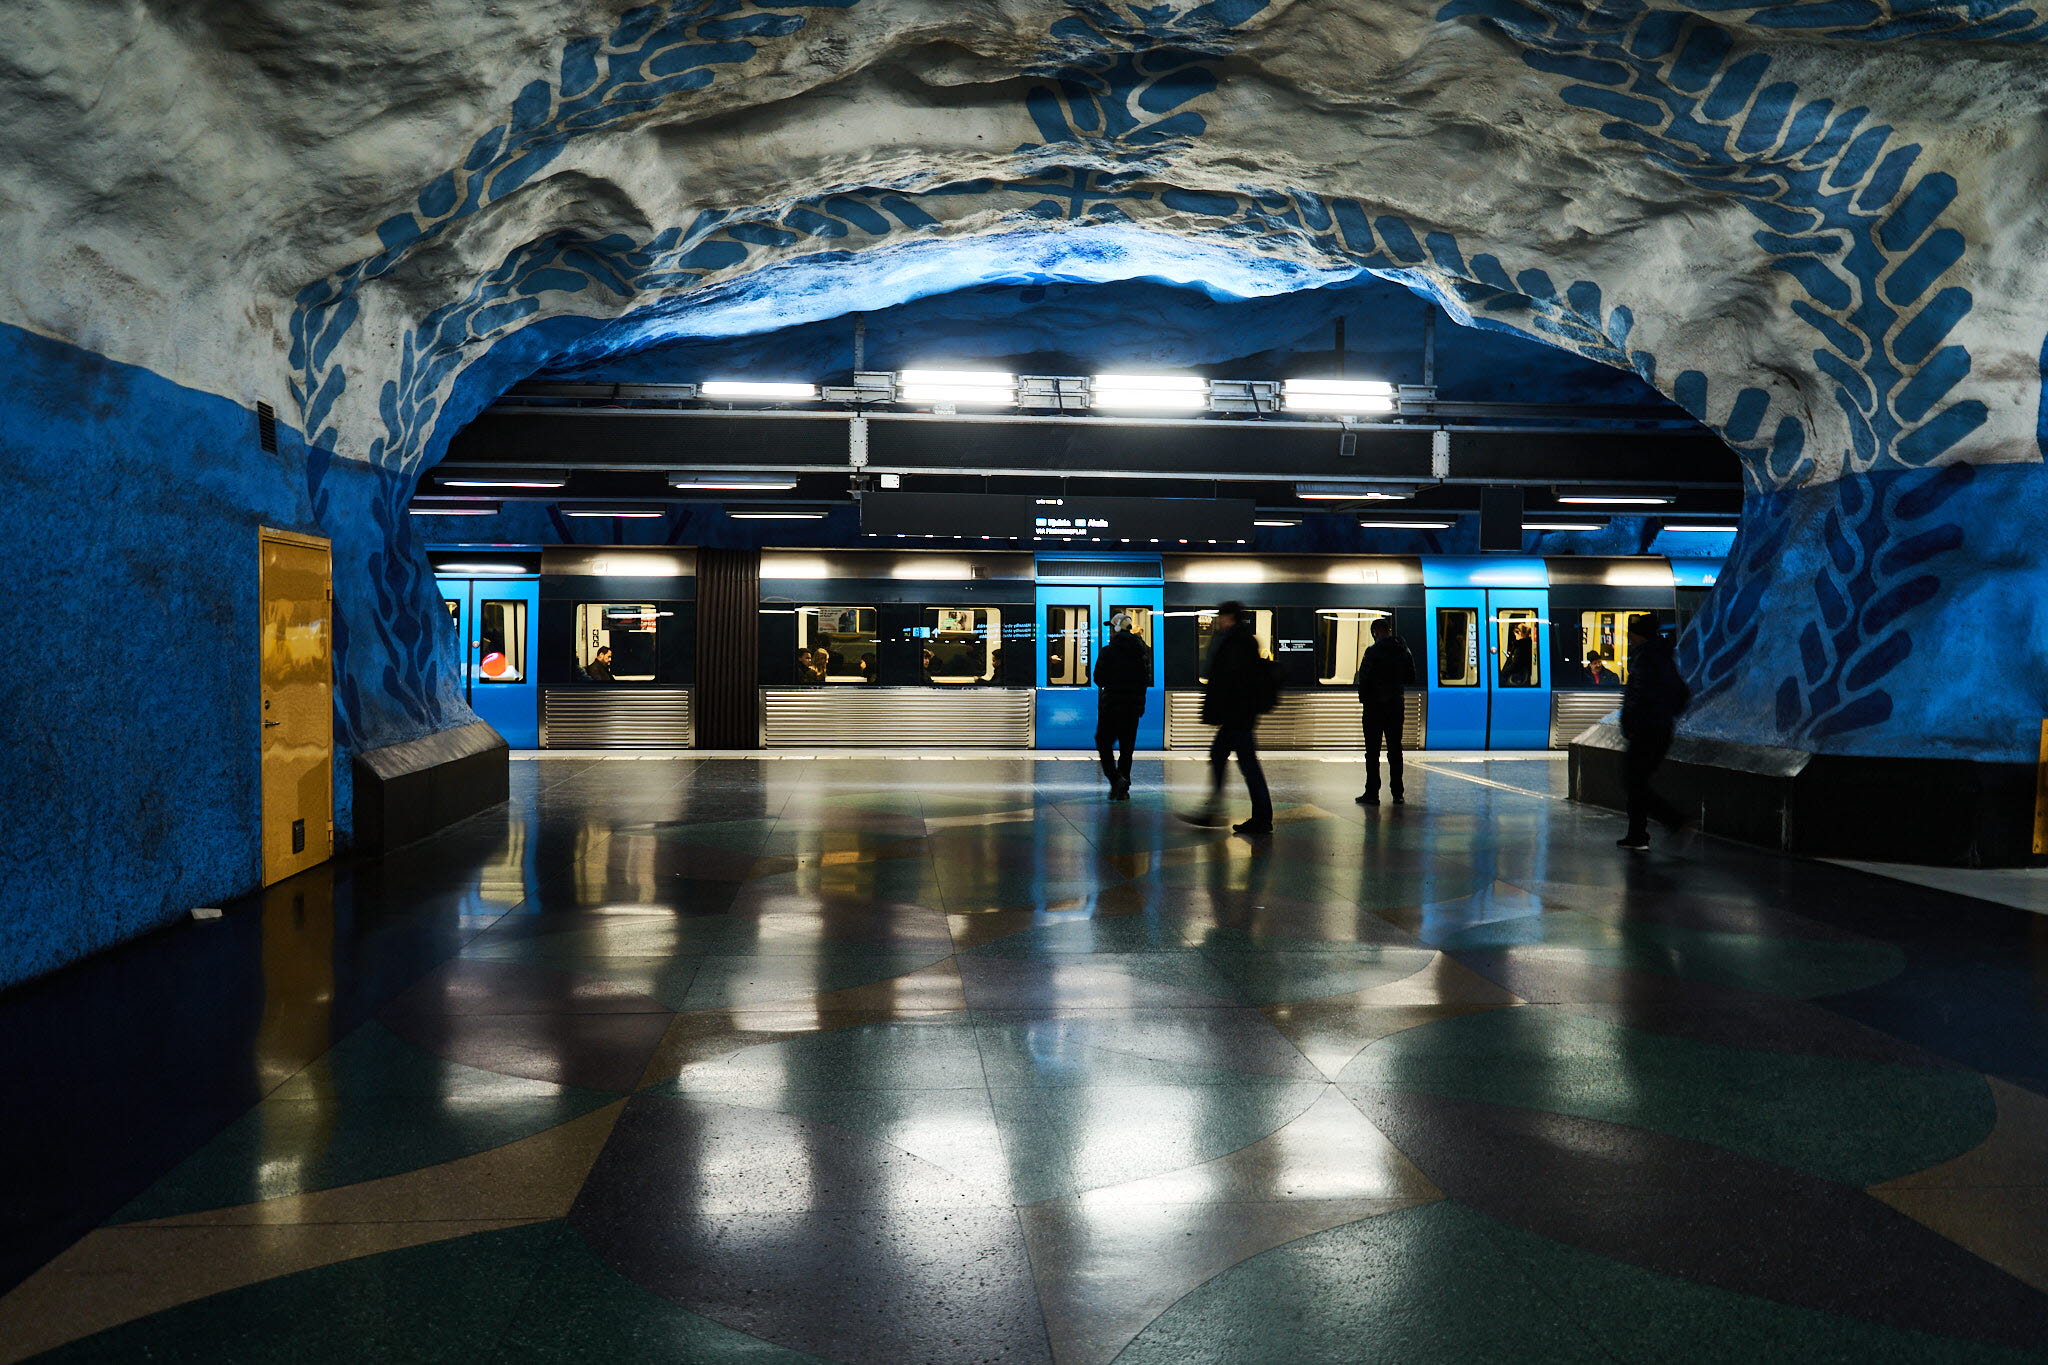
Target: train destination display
[1006, 516]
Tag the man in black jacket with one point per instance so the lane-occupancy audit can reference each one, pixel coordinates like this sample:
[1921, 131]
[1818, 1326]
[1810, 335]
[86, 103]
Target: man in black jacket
[1239, 688]
[1651, 701]
[1384, 673]
[1121, 676]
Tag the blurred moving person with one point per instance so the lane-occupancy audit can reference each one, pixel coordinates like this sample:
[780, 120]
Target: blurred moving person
[1652, 700]
[1242, 685]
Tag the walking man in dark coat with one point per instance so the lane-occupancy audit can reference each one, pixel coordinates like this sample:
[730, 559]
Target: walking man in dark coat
[1238, 690]
[1121, 676]
[1651, 701]
[1384, 674]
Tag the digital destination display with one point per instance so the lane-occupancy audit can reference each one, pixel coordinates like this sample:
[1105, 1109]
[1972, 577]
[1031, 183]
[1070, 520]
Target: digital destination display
[1022, 516]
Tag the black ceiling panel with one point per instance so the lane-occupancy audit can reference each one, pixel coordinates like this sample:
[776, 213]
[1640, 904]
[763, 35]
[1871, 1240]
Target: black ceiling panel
[1622, 457]
[1178, 451]
[656, 439]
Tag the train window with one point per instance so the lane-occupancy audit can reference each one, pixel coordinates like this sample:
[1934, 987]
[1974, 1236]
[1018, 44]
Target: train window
[1601, 655]
[961, 645]
[1068, 640]
[1457, 647]
[626, 629]
[847, 637]
[1205, 637]
[501, 640]
[1141, 622]
[1342, 634]
[1515, 646]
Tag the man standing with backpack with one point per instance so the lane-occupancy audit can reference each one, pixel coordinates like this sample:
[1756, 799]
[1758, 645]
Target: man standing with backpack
[1121, 676]
[1652, 700]
[1243, 685]
[1385, 671]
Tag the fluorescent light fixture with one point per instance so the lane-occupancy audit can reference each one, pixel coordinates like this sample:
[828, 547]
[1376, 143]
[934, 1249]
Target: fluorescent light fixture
[473, 509]
[1717, 528]
[1354, 492]
[1276, 521]
[481, 568]
[1564, 526]
[1404, 524]
[1616, 499]
[776, 516]
[749, 388]
[535, 481]
[739, 483]
[1337, 395]
[634, 512]
[1156, 392]
[983, 387]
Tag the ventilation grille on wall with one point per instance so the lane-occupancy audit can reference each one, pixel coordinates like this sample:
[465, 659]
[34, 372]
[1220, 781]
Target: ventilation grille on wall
[266, 427]
[1098, 568]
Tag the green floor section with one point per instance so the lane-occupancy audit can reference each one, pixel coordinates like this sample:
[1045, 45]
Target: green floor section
[1643, 1315]
[1855, 1122]
[1424, 1286]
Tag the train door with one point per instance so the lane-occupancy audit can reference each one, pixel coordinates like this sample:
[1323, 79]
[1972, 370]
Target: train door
[1489, 641]
[1076, 607]
[1519, 639]
[495, 620]
[1457, 668]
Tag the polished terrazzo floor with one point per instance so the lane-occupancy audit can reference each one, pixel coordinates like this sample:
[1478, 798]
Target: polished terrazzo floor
[716, 1060]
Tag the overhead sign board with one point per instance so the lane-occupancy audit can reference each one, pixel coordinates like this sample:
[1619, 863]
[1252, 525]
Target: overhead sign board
[1021, 516]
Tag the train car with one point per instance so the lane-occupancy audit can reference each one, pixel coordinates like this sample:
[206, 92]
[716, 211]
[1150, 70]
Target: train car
[995, 649]
[879, 648]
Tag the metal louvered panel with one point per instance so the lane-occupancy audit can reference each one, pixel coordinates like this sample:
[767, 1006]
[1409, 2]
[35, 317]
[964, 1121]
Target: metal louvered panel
[1572, 712]
[616, 718]
[876, 717]
[1302, 720]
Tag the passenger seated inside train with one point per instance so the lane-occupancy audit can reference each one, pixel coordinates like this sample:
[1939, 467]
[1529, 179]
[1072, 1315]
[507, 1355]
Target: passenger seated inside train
[811, 666]
[599, 669]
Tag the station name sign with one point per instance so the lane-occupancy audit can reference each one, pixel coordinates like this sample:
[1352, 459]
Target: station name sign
[1021, 516]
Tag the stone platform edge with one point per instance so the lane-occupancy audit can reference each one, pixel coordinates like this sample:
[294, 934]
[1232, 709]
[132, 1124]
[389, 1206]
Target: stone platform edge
[405, 792]
[1942, 812]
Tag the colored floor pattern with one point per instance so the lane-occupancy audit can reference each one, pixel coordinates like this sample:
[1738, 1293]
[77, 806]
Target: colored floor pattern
[876, 1060]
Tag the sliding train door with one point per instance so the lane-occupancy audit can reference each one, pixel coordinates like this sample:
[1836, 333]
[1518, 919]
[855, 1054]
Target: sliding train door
[1079, 597]
[1489, 647]
[495, 621]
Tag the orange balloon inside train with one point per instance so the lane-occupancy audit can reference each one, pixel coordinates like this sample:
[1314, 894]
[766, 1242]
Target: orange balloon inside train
[494, 665]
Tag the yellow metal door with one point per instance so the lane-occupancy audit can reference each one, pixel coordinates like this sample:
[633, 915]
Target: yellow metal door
[298, 705]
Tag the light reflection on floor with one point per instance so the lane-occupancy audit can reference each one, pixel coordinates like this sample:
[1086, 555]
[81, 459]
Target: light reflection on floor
[788, 1058]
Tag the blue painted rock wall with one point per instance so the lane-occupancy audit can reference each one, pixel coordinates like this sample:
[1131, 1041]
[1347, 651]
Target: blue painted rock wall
[1137, 326]
[1899, 615]
[129, 708]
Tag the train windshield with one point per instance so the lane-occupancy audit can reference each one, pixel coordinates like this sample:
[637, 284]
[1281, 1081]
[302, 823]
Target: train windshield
[1205, 637]
[501, 640]
[960, 645]
[627, 629]
[840, 642]
[1342, 634]
[1515, 646]
[1457, 647]
[1067, 646]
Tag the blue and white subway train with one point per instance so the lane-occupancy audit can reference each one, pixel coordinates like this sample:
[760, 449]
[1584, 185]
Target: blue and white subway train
[811, 649]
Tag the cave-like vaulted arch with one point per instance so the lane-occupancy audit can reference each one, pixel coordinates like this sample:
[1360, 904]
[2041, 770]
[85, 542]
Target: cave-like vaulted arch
[1814, 226]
